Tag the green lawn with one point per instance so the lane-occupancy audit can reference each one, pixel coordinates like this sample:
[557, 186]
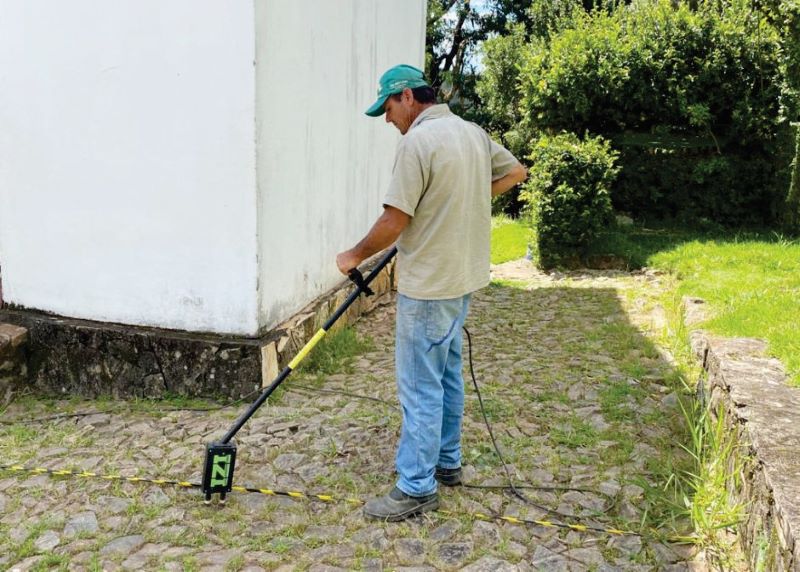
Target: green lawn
[509, 239]
[752, 284]
[753, 287]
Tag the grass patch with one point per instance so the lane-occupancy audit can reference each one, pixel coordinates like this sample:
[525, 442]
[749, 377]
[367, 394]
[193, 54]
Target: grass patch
[509, 239]
[51, 562]
[336, 353]
[636, 244]
[496, 409]
[503, 283]
[548, 395]
[752, 286]
[614, 402]
[620, 452]
[751, 280]
[34, 530]
[575, 433]
[235, 563]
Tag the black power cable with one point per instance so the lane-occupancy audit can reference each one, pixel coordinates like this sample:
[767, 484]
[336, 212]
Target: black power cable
[59, 416]
[511, 485]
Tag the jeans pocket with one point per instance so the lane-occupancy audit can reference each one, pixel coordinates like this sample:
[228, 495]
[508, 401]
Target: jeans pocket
[441, 317]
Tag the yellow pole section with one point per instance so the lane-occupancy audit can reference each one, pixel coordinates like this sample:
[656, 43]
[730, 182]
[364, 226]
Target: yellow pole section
[307, 348]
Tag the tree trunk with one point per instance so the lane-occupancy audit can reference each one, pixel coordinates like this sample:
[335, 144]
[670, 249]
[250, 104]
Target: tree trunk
[793, 198]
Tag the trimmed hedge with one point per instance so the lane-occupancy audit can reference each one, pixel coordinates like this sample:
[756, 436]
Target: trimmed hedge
[567, 195]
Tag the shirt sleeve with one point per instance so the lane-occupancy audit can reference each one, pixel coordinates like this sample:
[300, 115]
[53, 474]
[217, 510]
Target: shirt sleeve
[502, 160]
[408, 179]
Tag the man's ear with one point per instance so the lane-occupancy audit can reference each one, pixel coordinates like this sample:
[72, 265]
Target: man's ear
[408, 95]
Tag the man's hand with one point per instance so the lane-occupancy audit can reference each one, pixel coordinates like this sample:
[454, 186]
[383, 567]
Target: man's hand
[347, 260]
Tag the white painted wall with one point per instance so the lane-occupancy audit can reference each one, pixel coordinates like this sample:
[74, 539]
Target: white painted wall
[127, 161]
[151, 175]
[323, 166]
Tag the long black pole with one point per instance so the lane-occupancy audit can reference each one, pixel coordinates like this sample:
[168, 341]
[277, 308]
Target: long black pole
[361, 287]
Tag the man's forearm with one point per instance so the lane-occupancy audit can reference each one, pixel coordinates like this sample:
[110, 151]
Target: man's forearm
[516, 176]
[383, 233]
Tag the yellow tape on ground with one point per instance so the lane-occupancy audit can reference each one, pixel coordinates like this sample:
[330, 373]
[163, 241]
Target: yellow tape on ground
[327, 498]
[307, 348]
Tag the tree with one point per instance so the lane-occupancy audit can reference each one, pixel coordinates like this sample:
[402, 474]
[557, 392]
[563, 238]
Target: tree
[792, 215]
[453, 31]
[456, 28]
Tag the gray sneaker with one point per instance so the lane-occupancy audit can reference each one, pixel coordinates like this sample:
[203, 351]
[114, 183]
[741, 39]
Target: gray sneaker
[448, 477]
[397, 505]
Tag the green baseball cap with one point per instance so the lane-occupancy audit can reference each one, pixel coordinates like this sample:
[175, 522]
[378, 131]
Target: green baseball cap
[395, 80]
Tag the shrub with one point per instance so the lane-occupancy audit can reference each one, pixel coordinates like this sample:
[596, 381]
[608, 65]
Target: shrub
[498, 85]
[567, 195]
[693, 100]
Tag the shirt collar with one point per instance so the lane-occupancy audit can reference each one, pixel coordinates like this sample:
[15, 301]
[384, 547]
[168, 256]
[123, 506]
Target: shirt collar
[433, 112]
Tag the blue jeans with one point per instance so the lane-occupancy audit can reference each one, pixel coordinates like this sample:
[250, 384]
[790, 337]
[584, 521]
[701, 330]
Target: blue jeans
[428, 363]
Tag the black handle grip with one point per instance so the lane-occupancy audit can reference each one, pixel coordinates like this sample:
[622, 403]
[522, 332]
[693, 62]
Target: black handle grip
[357, 278]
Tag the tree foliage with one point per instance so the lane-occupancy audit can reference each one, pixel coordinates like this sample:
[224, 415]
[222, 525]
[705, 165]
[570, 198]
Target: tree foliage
[713, 83]
[455, 30]
[697, 101]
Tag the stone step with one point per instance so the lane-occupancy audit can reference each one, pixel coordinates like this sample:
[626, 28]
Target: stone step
[13, 360]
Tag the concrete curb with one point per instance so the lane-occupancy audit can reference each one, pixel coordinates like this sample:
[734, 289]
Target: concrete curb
[764, 413]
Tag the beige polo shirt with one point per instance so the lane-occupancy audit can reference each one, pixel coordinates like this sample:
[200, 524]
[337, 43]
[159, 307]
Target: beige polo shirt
[442, 178]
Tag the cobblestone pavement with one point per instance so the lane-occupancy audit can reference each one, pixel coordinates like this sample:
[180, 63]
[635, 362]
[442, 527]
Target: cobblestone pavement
[578, 396]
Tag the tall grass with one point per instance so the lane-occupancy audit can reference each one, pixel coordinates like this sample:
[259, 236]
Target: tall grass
[704, 488]
[708, 501]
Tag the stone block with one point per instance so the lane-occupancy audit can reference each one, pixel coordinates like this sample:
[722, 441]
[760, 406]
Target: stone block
[13, 361]
[269, 363]
[12, 336]
[695, 310]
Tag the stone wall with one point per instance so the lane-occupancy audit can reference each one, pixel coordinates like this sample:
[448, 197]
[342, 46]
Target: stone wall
[763, 411]
[13, 361]
[288, 338]
[79, 357]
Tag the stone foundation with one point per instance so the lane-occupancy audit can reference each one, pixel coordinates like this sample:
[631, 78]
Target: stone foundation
[90, 359]
[764, 413]
[13, 361]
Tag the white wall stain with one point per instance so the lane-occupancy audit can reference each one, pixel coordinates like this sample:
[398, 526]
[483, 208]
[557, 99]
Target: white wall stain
[322, 164]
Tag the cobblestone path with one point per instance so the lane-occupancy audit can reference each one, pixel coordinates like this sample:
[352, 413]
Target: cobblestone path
[578, 396]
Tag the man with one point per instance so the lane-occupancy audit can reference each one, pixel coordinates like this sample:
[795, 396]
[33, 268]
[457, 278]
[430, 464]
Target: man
[438, 210]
